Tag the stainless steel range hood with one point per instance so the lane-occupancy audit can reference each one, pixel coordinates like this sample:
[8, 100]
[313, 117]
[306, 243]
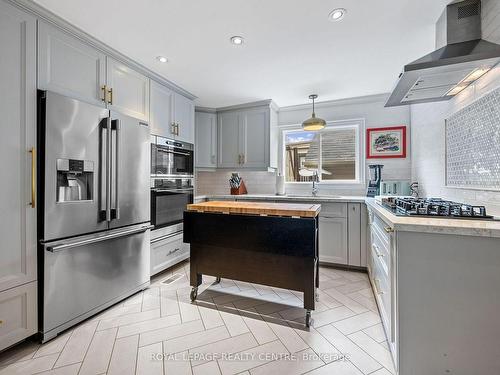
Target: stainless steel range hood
[461, 58]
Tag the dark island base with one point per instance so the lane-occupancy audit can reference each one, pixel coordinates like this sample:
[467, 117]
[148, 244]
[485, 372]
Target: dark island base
[275, 251]
[281, 271]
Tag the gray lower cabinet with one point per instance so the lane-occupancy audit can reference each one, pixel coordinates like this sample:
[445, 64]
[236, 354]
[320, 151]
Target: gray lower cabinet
[205, 140]
[128, 90]
[18, 314]
[167, 251]
[333, 240]
[18, 268]
[70, 67]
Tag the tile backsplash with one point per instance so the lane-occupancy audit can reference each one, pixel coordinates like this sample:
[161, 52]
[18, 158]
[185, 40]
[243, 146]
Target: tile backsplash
[428, 136]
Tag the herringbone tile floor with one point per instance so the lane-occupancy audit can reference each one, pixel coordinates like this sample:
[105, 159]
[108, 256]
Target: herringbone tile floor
[233, 328]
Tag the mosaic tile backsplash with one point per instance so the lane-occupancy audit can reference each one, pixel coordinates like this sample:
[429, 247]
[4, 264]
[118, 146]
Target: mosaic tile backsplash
[473, 145]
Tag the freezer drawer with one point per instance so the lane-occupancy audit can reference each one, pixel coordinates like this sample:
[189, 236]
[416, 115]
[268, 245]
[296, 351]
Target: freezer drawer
[87, 274]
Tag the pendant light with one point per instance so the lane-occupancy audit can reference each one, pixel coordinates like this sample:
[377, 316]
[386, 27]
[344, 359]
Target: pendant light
[314, 123]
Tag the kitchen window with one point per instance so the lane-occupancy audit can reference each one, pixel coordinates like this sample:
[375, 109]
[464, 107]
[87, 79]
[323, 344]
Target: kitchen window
[334, 153]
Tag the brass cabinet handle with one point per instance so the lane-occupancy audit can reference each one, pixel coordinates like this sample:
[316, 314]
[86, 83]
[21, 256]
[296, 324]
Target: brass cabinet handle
[33, 177]
[110, 95]
[172, 128]
[103, 93]
[177, 128]
[242, 158]
[388, 229]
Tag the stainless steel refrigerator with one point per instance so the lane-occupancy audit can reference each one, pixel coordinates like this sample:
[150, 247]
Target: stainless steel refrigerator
[93, 219]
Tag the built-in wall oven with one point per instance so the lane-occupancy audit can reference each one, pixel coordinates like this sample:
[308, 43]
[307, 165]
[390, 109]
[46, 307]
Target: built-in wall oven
[171, 181]
[169, 198]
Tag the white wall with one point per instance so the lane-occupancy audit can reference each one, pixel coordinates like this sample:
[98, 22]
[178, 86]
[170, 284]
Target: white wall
[370, 108]
[428, 129]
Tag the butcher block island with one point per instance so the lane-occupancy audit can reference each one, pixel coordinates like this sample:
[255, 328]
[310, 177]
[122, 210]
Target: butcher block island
[273, 244]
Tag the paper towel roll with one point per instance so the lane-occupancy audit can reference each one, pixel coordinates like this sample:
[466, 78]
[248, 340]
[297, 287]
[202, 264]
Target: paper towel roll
[280, 184]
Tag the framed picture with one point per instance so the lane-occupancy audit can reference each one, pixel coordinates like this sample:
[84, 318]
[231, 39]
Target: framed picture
[386, 142]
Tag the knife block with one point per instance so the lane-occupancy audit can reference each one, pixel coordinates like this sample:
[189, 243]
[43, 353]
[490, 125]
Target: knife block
[242, 189]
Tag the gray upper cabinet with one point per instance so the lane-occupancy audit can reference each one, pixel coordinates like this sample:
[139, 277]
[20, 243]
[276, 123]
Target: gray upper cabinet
[245, 138]
[229, 155]
[70, 67]
[184, 118]
[162, 110]
[254, 138]
[172, 115]
[205, 140]
[128, 90]
[18, 272]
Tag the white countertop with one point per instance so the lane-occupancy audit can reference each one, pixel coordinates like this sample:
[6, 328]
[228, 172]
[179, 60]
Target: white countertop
[463, 227]
[295, 198]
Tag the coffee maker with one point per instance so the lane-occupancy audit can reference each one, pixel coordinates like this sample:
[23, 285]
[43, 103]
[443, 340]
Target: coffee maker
[375, 179]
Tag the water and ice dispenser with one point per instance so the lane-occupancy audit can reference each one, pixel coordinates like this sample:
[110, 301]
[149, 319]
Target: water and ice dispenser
[75, 180]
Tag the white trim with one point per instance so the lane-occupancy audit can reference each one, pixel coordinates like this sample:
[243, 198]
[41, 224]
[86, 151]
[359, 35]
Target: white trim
[360, 153]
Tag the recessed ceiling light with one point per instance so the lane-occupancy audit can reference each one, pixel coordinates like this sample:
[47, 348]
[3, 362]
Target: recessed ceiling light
[162, 59]
[337, 14]
[237, 40]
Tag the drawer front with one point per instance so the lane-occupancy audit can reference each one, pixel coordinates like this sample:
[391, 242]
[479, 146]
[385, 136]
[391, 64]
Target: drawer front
[384, 230]
[382, 292]
[334, 209]
[380, 251]
[18, 307]
[167, 252]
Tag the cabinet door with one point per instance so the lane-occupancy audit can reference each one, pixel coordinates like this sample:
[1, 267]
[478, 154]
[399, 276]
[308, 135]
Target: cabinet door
[354, 227]
[254, 138]
[161, 110]
[228, 156]
[68, 66]
[184, 118]
[18, 111]
[333, 240]
[18, 313]
[205, 140]
[130, 90]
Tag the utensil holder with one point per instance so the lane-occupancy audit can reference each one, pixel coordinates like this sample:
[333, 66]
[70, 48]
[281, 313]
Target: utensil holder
[242, 189]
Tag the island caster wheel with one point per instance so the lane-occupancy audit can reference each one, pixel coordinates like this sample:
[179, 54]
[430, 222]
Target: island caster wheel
[308, 318]
[217, 280]
[194, 294]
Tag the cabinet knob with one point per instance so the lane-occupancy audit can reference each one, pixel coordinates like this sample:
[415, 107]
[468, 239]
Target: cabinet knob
[388, 229]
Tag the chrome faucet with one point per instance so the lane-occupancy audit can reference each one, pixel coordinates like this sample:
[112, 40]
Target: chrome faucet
[315, 181]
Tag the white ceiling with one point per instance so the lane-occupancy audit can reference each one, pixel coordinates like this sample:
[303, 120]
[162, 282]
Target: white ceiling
[291, 48]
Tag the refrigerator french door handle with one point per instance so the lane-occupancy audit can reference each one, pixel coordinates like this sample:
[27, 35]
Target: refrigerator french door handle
[108, 169]
[105, 214]
[115, 125]
[87, 240]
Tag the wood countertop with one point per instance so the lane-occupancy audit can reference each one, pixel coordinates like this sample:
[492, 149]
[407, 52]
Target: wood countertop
[258, 208]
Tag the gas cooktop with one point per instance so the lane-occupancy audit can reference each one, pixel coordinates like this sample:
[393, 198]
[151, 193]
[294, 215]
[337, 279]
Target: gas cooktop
[434, 207]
